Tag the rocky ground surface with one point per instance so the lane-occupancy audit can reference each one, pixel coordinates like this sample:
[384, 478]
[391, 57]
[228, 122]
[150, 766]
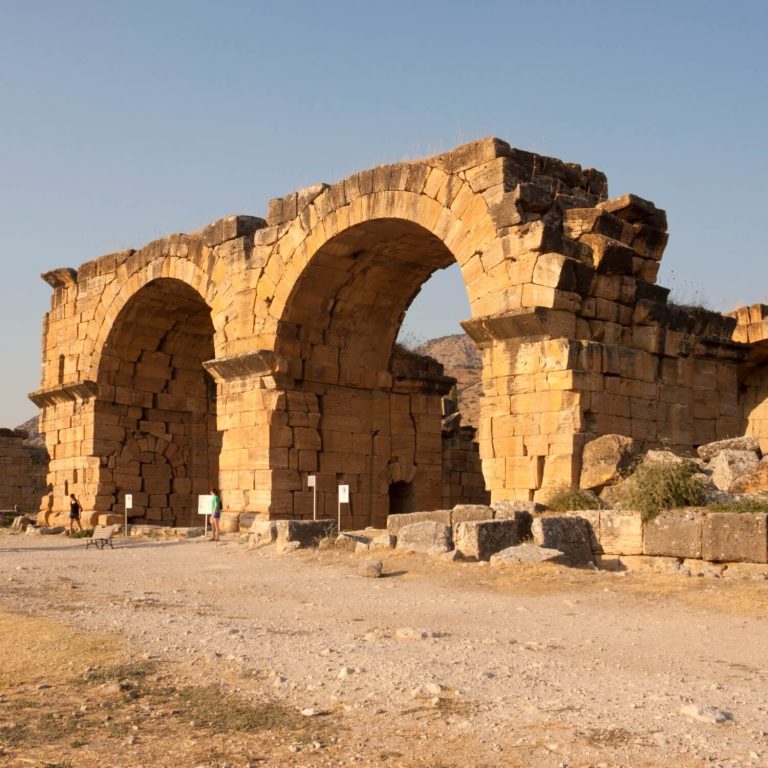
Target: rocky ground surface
[190, 653]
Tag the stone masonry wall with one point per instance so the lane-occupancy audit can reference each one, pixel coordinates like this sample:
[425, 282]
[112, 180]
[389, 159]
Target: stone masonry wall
[23, 471]
[259, 350]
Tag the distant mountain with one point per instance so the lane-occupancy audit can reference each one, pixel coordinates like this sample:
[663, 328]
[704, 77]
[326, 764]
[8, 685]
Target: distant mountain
[461, 359]
[34, 438]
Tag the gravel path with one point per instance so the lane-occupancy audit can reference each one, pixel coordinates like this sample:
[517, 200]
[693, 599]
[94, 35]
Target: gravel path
[436, 663]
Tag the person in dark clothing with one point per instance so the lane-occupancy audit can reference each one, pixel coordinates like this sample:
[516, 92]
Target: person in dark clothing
[74, 513]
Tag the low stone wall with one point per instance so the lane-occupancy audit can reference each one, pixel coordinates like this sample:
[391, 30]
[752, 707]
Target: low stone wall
[691, 533]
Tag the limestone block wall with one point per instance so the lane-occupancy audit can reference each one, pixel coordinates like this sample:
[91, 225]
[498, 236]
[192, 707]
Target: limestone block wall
[23, 472]
[752, 328]
[256, 351]
[462, 480]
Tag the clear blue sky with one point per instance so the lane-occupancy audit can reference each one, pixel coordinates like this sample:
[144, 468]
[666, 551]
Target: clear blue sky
[122, 122]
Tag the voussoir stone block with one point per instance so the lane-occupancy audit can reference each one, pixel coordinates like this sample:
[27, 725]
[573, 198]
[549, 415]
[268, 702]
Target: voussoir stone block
[479, 539]
[735, 537]
[570, 535]
[427, 536]
[676, 533]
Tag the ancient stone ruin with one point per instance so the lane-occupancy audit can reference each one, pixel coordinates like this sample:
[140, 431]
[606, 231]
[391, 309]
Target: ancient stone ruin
[259, 351]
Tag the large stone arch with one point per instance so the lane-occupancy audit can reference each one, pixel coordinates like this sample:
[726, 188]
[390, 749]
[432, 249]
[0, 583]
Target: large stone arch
[154, 417]
[576, 337]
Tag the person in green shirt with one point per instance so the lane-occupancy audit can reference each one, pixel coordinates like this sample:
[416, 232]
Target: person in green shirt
[215, 513]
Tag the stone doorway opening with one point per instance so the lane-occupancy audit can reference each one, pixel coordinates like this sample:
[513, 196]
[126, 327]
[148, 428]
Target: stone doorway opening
[401, 498]
[155, 416]
[369, 410]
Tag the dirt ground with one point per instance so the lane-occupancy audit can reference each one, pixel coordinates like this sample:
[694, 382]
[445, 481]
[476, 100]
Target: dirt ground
[190, 653]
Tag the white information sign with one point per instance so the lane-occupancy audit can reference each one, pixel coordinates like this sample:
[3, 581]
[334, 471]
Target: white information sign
[343, 494]
[204, 504]
[311, 481]
[129, 501]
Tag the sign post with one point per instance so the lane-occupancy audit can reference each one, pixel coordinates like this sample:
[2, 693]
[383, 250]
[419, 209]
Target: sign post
[205, 507]
[312, 483]
[343, 499]
[128, 505]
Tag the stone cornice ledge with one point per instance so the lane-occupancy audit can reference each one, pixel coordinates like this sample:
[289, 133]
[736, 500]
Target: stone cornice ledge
[264, 362]
[528, 322]
[77, 391]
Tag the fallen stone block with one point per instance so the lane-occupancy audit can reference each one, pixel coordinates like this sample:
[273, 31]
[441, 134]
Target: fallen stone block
[676, 533]
[757, 571]
[752, 481]
[703, 568]
[621, 532]
[383, 541]
[350, 541]
[604, 459]
[728, 465]
[467, 512]
[396, 522]
[51, 531]
[518, 510]
[426, 536]
[592, 516]
[110, 520]
[306, 532]
[747, 443]
[525, 553]
[370, 569]
[262, 532]
[570, 535]
[479, 539]
[735, 537]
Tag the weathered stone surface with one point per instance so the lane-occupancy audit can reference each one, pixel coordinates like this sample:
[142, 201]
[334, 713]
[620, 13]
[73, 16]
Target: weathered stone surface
[754, 480]
[396, 522]
[370, 569]
[570, 535]
[383, 541]
[262, 533]
[467, 512]
[710, 450]
[592, 516]
[735, 537]
[306, 532]
[676, 533]
[229, 522]
[520, 511]
[426, 536]
[480, 539]
[728, 465]
[604, 458]
[525, 553]
[621, 532]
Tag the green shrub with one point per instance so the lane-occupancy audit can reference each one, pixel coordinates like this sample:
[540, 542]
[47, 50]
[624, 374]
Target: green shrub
[656, 486]
[759, 505]
[85, 533]
[564, 499]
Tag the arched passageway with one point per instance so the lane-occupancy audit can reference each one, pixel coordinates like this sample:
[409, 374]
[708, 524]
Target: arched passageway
[155, 414]
[373, 410]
